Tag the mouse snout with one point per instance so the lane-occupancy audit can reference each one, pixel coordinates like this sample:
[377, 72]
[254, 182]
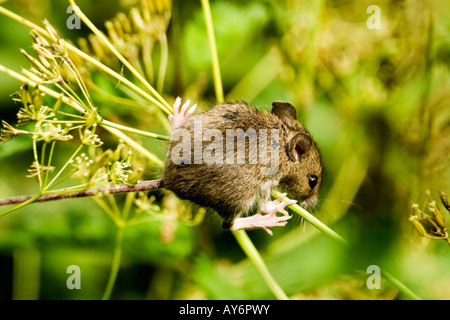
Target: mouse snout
[310, 201]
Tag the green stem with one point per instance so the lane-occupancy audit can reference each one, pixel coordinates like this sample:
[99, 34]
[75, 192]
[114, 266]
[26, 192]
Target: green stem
[72, 189]
[162, 103]
[137, 104]
[36, 160]
[64, 167]
[241, 237]
[23, 204]
[135, 145]
[73, 103]
[213, 49]
[101, 203]
[400, 286]
[163, 62]
[147, 47]
[313, 220]
[132, 130]
[43, 149]
[127, 206]
[335, 236]
[254, 256]
[80, 82]
[69, 122]
[114, 207]
[71, 94]
[115, 262]
[50, 158]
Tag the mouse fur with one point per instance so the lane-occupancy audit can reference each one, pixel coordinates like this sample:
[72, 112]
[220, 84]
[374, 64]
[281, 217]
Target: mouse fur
[237, 189]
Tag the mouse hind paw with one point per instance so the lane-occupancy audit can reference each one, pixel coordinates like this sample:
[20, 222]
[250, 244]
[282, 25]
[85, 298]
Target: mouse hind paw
[259, 221]
[269, 219]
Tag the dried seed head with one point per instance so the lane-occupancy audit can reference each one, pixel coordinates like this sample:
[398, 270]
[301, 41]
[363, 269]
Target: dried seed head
[444, 200]
[124, 22]
[51, 31]
[430, 226]
[25, 95]
[136, 19]
[437, 215]
[39, 39]
[8, 132]
[136, 176]
[90, 119]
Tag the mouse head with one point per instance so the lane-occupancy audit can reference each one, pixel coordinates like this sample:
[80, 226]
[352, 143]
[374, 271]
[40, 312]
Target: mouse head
[304, 171]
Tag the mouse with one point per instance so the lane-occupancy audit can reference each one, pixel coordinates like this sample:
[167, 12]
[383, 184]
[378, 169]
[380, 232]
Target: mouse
[230, 157]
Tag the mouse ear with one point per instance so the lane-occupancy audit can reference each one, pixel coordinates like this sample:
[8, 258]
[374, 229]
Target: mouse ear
[298, 146]
[284, 110]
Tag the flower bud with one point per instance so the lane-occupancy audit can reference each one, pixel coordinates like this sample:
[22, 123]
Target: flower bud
[418, 226]
[438, 217]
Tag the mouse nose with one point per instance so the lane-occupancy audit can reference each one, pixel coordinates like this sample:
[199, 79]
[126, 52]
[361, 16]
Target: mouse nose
[310, 201]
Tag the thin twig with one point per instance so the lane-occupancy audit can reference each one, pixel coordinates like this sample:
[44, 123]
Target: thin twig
[213, 50]
[118, 188]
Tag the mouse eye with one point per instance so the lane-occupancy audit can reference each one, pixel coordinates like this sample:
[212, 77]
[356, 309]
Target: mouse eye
[312, 181]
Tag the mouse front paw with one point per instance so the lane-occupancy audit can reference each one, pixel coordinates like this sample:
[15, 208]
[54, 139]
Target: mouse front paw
[179, 116]
[272, 207]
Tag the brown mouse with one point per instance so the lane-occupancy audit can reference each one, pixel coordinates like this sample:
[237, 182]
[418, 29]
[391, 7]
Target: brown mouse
[231, 157]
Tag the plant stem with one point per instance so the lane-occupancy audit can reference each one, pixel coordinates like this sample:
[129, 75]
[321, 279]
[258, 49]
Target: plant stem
[86, 57]
[50, 158]
[102, 204]
[241, 237]
[62, 193]
[22, 204]
[115, 262]
[132, 130]
[213, 49]
[119, 77]
[65, 166]
[119, 56]
[127, 206]
[313, 220]
[253, 254]
[36, 161]
[70, 102]
[258, 78]
[163, 62]
[135, 145]
[400, 286]
[335, 236]
[71, 94]
[81, 84]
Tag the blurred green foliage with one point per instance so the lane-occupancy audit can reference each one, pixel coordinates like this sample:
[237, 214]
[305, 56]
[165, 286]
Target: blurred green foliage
[376, 100]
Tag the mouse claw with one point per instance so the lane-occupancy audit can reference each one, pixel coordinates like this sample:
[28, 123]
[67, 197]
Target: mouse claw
[176, 105]
[179, 116]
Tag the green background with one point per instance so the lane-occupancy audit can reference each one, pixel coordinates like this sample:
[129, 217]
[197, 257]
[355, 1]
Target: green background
[375, 100]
